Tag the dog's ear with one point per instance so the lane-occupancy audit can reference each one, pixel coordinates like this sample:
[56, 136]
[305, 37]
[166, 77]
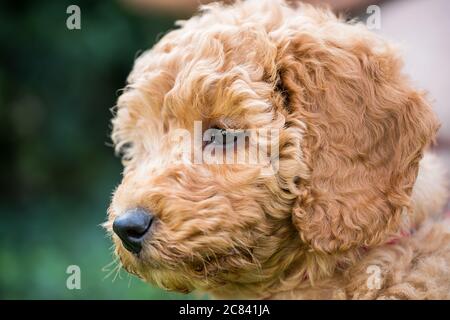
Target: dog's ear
[366, 130]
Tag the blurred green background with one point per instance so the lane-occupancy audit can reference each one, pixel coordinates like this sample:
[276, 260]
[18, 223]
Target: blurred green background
[57, 166]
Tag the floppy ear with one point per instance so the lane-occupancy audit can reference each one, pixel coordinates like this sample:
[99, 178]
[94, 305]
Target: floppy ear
[366, 132]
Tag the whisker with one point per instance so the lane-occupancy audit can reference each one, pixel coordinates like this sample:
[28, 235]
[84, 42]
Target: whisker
[107, 266]
[118, 269]
[129, 280]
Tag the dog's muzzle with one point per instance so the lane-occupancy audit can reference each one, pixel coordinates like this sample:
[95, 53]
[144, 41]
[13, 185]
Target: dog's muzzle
[132, 227]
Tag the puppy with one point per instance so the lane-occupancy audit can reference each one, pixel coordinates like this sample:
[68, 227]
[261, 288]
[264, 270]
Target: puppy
[349, 209]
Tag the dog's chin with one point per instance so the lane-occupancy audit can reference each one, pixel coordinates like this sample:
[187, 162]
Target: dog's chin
[183, 273]
[180, 275]
[167, 280]
[156, 272]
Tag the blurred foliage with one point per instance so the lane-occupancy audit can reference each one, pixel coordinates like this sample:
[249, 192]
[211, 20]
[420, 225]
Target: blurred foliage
[57, 171]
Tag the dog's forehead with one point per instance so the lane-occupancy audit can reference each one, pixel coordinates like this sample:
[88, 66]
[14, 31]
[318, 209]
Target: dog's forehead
[203, 80]
[218, 66]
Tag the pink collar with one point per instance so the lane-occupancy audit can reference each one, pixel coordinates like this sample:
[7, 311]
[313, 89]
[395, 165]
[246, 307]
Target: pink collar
[394, 240]
[402, 235]
[406, 234]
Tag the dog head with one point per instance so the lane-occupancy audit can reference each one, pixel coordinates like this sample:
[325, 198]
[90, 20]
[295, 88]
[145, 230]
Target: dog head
[350, 134]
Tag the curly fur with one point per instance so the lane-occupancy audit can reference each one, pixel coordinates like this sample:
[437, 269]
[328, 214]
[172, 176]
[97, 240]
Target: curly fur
[352, 135]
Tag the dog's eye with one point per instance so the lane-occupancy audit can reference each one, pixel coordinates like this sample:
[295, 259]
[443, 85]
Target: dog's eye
[223, 137]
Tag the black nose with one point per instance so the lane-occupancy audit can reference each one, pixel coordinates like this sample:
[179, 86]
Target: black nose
[131, 228]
